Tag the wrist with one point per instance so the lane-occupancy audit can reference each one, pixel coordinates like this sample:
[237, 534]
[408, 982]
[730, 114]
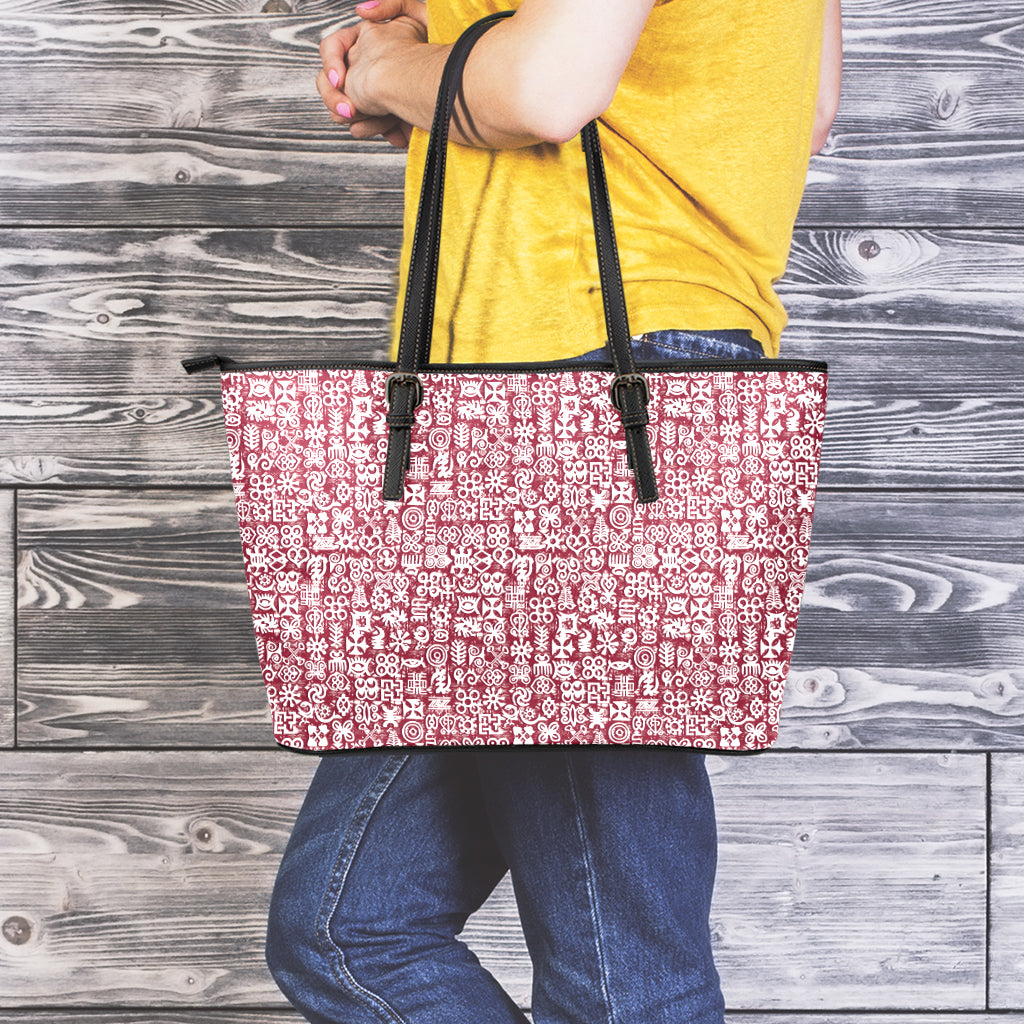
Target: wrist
[409, 79]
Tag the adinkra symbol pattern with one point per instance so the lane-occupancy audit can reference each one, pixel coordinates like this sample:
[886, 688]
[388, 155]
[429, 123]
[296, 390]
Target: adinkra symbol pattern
[519, 593]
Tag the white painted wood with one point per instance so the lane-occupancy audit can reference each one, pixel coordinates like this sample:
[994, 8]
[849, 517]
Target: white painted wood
[7, 612]
[1006, 898]
[868, 870]
[142, 878]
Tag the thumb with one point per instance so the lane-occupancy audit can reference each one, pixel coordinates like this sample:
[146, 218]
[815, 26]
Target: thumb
[386, 10]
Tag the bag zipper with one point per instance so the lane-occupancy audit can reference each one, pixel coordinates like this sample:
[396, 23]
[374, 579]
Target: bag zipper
[225, 365]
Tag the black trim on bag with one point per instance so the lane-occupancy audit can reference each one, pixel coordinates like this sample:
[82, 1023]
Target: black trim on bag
[676, 365]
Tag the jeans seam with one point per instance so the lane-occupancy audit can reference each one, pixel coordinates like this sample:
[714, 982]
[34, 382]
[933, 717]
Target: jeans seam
[332, 897]
[591, 890]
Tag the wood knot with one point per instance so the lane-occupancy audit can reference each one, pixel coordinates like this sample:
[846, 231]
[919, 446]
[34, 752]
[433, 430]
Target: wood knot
[946, 104]
[278, 7]
[204, 836]
[17, 930]
[868, 249]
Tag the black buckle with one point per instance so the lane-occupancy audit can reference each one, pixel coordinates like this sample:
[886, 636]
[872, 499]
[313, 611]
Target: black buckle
[626, 380]
[403, 379]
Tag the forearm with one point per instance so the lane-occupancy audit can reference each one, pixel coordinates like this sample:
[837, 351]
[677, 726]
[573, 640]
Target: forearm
[830, 75]
[406, 82]
[537, 77]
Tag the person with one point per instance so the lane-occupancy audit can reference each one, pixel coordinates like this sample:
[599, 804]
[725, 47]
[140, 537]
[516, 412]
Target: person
[709, 112]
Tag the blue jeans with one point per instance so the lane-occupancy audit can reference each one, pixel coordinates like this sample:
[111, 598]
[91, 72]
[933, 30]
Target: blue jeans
[687, 345]
[612, 853]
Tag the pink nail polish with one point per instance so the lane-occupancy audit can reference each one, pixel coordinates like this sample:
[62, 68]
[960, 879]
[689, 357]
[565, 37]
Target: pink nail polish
[369, 5]
[344, 109]
[333, 77]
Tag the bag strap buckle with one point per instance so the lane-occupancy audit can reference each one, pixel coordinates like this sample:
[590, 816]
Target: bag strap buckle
[403, 379]
[629, 380]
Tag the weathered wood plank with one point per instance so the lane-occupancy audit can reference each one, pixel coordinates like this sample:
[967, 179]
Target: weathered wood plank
[117, 309]
[173, 8]
[112, 313]
[150, 594]
[202, 1015]
[143, 878]
[901, 590]
[888, 852]
[1006, 896]
[93, 390]
[925, 91]
[7, 599]
[198, 179]
[883, 17]
[134, 625]
[205, 1015]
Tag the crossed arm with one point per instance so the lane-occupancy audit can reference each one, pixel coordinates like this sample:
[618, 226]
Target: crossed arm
[537, 77]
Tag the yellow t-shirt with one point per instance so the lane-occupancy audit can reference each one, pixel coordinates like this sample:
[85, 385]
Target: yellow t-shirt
[706, 145]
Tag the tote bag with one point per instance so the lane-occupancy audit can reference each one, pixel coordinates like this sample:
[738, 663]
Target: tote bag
[532, 553]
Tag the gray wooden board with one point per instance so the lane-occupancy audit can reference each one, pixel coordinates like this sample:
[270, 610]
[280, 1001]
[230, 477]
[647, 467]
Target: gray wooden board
[849, 843]
[112, 310]
[7, 600]
[215, 120]
[1006, 899]
[134, 625]
[197, 178]
[142, 879]
[198, 1015]
[921, 330]
[213, 1015]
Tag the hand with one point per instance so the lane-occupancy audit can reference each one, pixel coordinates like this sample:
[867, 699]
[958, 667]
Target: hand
[351, 56]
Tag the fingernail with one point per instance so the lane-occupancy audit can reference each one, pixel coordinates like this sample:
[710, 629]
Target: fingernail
[333, 77]
[344, 109]
[369, 5]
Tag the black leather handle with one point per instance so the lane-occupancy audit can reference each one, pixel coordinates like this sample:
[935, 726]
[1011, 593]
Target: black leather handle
[629, 392]
[421, 286]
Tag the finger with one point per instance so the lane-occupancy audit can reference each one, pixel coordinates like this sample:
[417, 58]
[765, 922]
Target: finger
[385, 10]
[397, 138]
[368, 127]
[339, 106]
[333, 50]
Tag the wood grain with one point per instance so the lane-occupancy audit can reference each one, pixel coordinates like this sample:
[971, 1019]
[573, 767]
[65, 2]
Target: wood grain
[7, 542]
[202, 1015]
[210, 117]
[196, 178]
[205, 1015]
[92, 390]
[143, 879]
[148, 592]
[1006, 896]
[169, 185]
[134, 625]
[852, 845]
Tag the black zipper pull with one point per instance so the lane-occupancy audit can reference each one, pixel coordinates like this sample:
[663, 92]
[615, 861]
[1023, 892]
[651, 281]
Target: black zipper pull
[200, 363]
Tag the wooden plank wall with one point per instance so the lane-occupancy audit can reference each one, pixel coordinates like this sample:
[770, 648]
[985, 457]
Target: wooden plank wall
[169, 186]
